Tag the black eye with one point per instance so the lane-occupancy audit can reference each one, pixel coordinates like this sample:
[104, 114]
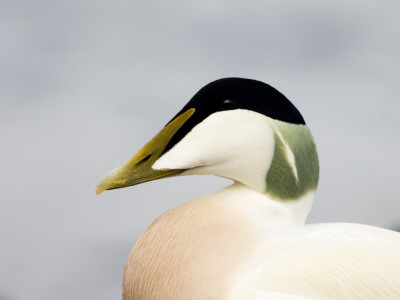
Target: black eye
[227, 104]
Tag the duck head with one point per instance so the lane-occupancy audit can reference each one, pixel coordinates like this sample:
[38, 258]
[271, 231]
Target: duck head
[236, 128]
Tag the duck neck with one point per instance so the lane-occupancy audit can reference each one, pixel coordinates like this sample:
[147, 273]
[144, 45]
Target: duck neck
[277, 214]
[285, 192]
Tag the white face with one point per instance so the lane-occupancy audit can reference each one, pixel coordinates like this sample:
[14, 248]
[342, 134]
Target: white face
[237, 144]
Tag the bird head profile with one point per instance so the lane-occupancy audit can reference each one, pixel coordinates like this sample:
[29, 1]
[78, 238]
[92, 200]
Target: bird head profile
[237, 128]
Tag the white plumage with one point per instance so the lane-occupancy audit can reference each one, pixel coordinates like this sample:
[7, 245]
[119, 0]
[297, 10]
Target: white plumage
[238, 244]
[249, 240]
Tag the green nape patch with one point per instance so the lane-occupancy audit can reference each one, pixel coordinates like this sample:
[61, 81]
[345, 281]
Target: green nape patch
[282, 182]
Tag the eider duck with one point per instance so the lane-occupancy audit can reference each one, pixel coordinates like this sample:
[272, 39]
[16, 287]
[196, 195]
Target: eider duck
[248, 240]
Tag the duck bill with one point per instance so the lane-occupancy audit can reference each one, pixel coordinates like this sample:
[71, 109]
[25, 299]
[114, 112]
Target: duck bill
[139, 168]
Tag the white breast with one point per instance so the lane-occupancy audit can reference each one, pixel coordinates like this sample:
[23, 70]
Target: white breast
[199, 249]
[236, 245]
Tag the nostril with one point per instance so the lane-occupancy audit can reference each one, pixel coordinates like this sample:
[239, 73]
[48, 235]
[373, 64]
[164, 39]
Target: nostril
[143, 160]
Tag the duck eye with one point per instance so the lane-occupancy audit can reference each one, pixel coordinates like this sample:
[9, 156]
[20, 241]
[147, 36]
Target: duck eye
[227, 104]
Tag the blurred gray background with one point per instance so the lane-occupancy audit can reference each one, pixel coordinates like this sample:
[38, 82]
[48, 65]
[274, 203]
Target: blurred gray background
[84, 84]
